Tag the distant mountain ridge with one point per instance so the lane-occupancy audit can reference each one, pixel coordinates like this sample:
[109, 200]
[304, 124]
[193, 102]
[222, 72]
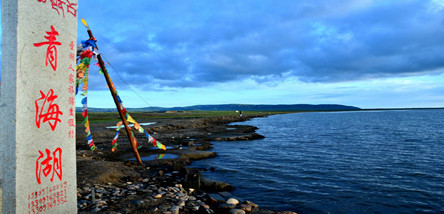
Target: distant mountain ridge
[240, 107]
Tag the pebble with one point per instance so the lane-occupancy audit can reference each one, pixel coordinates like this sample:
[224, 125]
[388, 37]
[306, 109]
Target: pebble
[253, 205]
[225, 194]
[227, 206]
[232, 201]
[100, 203]
[237, 211]
[175, 209]
[166, 191]
[158, 196]
[245, 207]
[205, 206]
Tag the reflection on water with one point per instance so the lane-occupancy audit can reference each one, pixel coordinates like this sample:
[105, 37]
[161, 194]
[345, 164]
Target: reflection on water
[131, 125]
[156, 157]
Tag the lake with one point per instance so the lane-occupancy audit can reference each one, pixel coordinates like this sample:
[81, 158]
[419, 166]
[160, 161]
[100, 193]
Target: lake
[338, 162]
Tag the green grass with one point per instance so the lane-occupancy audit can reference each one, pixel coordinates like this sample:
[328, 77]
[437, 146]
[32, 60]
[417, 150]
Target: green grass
[97, 117]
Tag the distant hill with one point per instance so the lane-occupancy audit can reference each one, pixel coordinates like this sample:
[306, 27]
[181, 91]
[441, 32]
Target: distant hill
[240, 107]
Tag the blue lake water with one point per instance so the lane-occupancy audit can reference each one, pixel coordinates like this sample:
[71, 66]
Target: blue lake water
[339, 162]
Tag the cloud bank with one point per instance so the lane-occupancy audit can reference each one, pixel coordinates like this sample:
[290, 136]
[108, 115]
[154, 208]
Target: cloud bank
[169, 44]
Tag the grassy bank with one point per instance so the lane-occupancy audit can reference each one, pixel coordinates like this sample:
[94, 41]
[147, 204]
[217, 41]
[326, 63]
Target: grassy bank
[96, 117]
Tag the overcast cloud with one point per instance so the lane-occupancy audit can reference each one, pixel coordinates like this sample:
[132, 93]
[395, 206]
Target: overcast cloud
[195, 44]
[184, 46]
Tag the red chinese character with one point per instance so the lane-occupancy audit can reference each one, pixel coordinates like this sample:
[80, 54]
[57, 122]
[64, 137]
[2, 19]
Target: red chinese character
[57, 166]
[71, 79]
[72, 56]
[71, 123]
[71, 101]
[49, 164]
[71, 89]
[52, 114]
[71, 45]
[51, 51]
[71, 9]
[58, 4]
[70, 67]
[71, 134]
[71, 111]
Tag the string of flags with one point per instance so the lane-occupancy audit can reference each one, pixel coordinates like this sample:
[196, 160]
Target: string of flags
[87, 50]
[82, 71]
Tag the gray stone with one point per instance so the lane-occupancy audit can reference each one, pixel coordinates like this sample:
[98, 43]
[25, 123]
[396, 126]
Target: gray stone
[245, 207]
[237, 211]
[205, 206]
[181, 203]
[164, 207]
[227, 206]
[173, 208]
[216, 198]
[232, 201]
[157, 196]
[35, 75]
[139, 202]
[100, 203]
[253, 205]
[225, 194]
[96, 210]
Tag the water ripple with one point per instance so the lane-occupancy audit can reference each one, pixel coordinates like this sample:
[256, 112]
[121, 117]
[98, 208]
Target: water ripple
[354, 162]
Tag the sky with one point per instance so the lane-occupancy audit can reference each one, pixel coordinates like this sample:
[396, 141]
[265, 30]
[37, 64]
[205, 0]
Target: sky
[364, 53]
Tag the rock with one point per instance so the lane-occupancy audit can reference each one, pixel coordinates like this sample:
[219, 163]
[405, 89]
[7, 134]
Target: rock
[95, 210]
[157, 196]
[216, 198]
[179, 194]
[181, 204]
[232, 201]
[227, 206]
[139, 202]
[161, 173]
[164, 207]
[253, 205]
[205, 206]
[206, 211]
[225, 194]
[100, 203]
[175, 209]
[245, 207]
[237, 211]
[286, 212]
[191, 190]
[211, 185]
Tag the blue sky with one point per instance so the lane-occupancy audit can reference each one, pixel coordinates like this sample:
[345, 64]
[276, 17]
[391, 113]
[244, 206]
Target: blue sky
[365, 53]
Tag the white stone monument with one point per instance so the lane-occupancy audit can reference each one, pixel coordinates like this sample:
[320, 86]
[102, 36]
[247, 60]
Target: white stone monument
[37, 108]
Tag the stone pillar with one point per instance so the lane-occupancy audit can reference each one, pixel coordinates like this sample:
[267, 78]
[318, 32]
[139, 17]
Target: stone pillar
[37, 108]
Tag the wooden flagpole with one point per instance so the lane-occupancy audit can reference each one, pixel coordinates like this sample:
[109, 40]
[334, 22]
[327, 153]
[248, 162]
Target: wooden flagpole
[112, 90]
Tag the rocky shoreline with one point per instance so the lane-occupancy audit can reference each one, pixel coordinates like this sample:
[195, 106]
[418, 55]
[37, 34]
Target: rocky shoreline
[110, 182]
